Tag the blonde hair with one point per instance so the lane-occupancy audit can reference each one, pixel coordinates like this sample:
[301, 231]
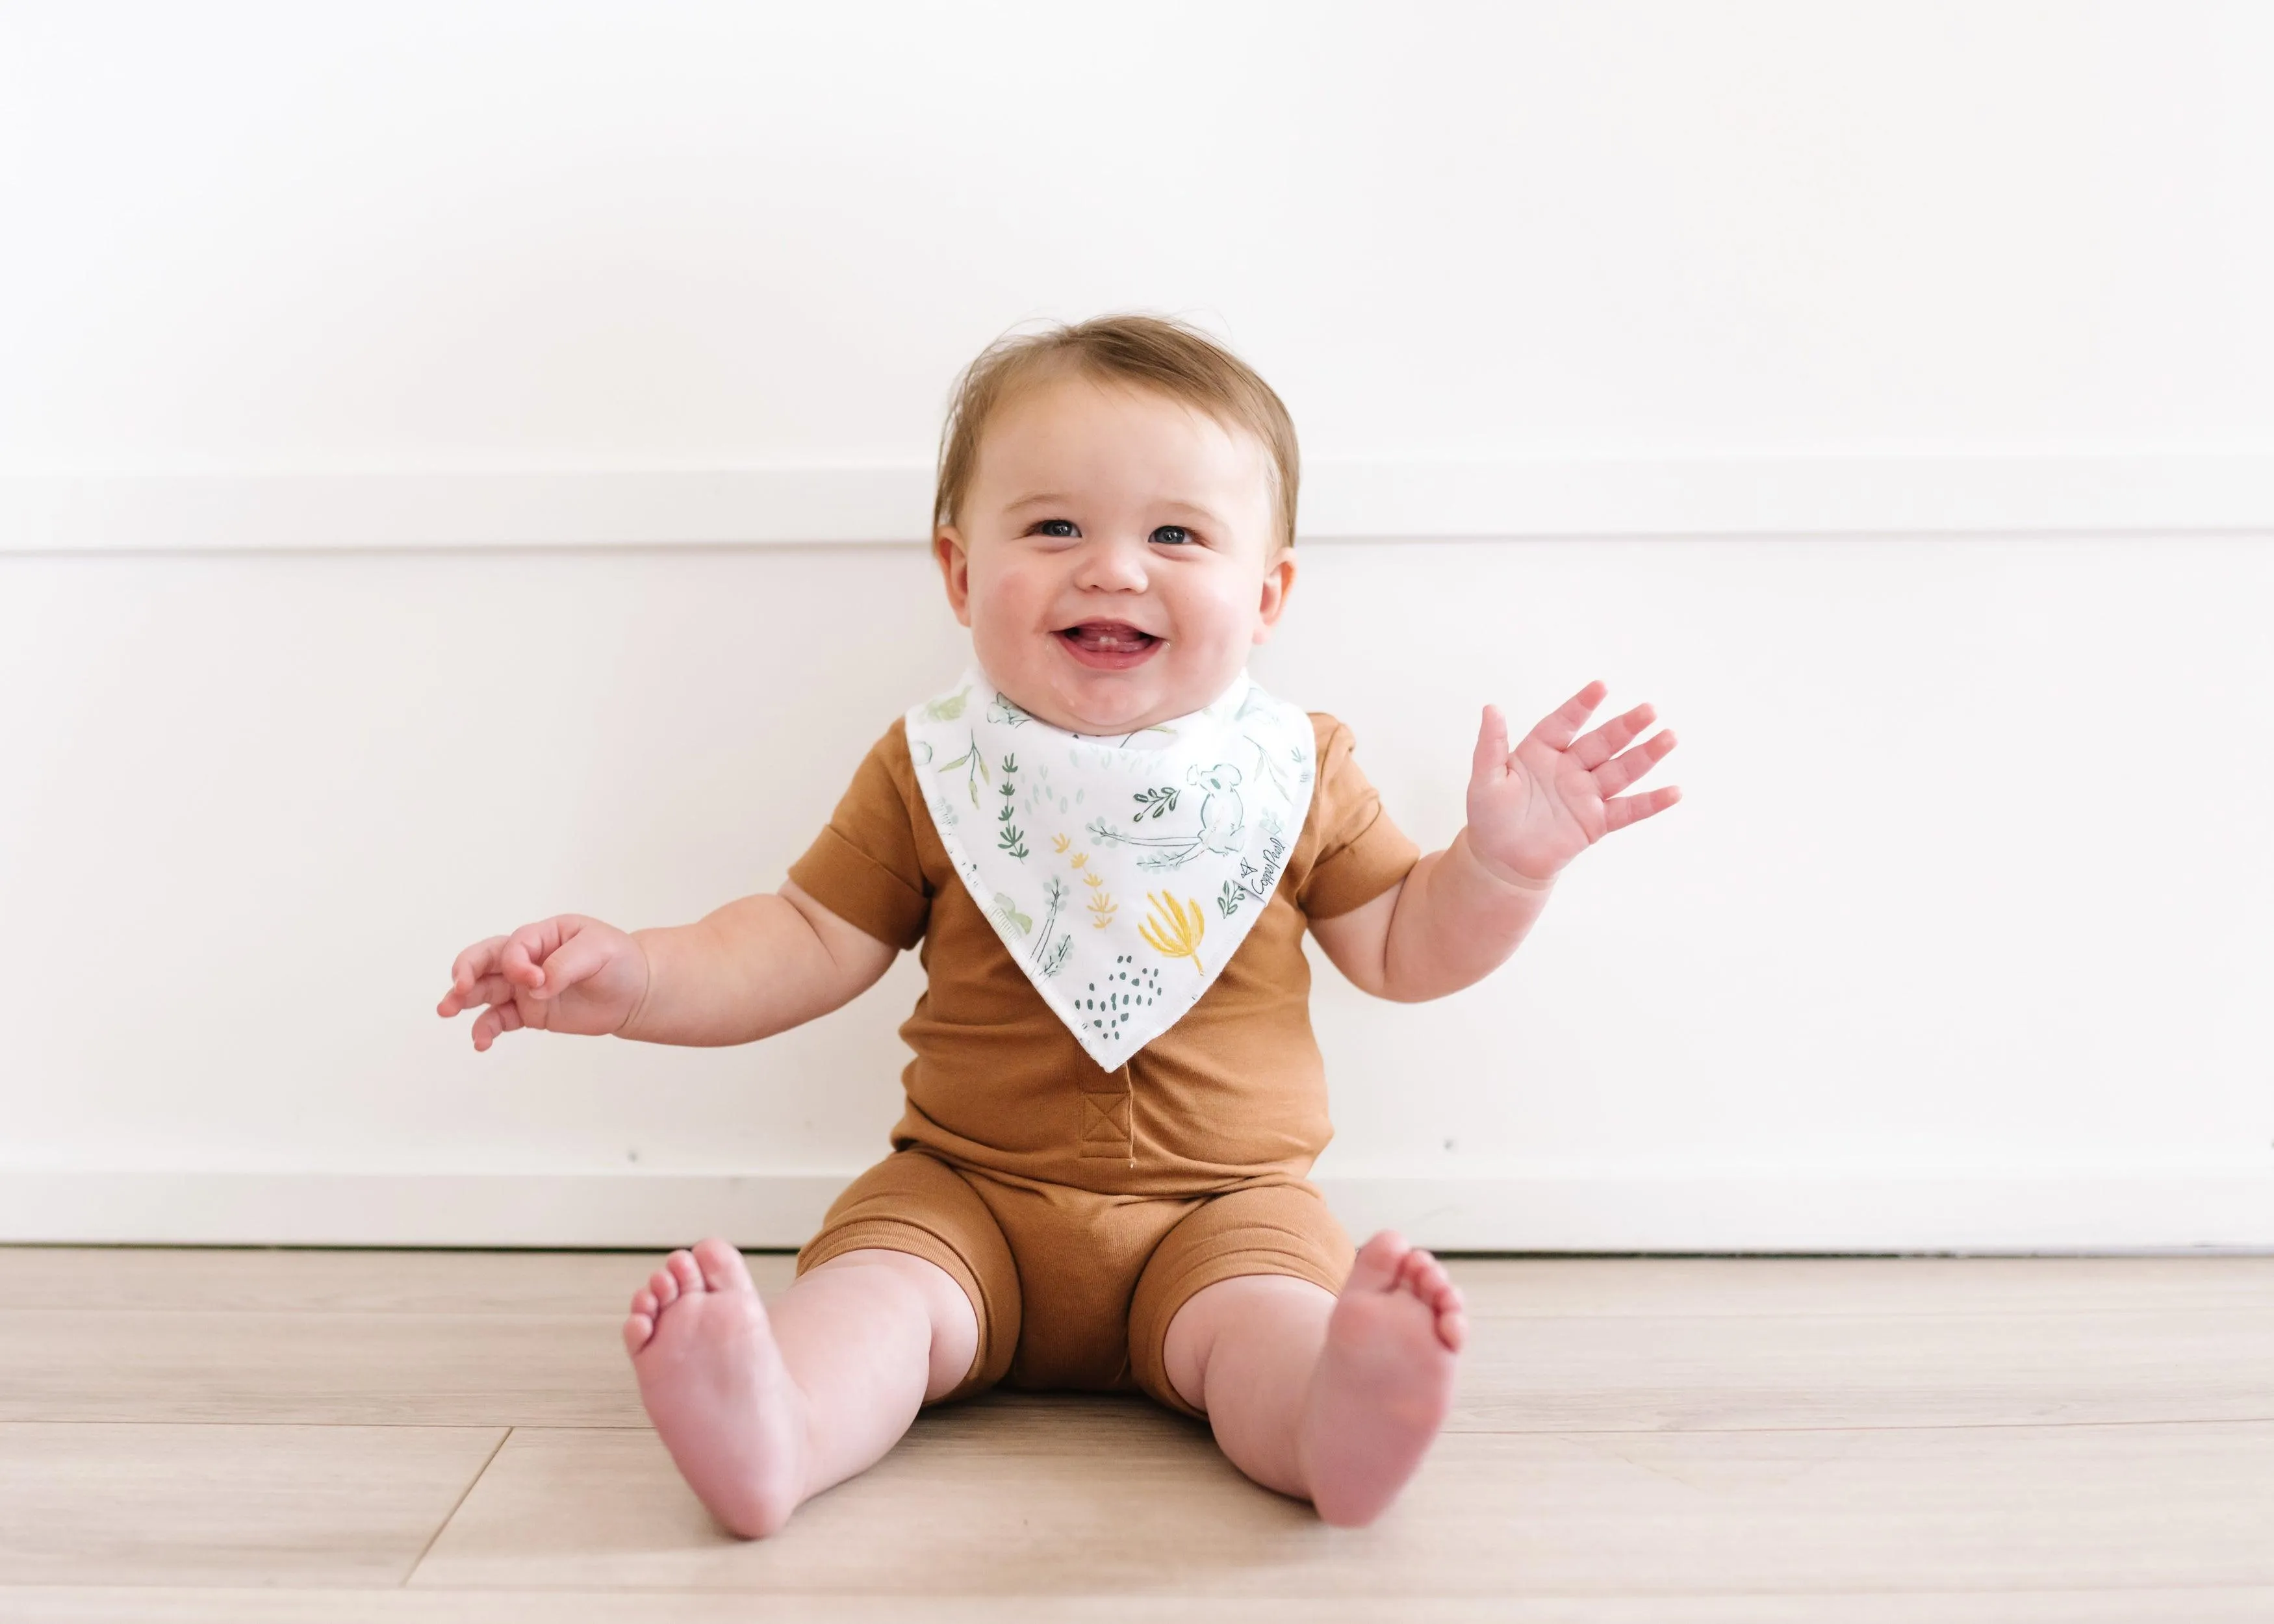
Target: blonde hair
[1147, 352]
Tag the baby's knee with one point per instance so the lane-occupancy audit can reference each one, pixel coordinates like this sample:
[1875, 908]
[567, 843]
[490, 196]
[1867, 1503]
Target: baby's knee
[926, 1295]
[1279, 1312]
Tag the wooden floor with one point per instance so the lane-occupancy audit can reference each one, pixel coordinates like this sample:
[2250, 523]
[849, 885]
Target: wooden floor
[300, 1435]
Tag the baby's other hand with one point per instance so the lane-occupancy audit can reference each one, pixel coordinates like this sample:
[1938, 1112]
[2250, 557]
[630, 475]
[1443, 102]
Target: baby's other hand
[566, 974]
[1534, 808]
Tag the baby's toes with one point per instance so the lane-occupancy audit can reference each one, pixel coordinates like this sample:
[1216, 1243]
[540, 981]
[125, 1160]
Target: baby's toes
[1453, 1325]
[1444, 1297]
[1377, 1265]
[686, 1271]
[638, 1328]
[663, 1285]
[1420, 1272]
[1427, 1278]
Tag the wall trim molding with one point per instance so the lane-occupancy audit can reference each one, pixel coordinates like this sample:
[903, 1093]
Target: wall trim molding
[1344, 499]
[2168, 1210]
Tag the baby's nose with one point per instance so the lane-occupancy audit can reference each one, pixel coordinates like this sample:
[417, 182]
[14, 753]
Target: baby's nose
[1111, 566]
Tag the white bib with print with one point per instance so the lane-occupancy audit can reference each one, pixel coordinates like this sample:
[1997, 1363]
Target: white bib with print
[1120, 872]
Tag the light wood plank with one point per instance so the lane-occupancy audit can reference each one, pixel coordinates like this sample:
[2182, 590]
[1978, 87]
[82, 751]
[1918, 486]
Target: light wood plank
[1629, 1372]
[1094, 1496]
[293, 1280]
[398, 1368]
[1626, 1372]
[228, 1505]
[1859, 1287]
[308, 1281]
[1664, 1522]
[142, 1605]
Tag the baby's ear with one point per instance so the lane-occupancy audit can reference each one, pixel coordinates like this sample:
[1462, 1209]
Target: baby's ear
[1279, 582]
[954, 569]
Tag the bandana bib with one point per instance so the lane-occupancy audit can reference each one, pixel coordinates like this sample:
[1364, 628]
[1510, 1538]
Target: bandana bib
[1120, 872]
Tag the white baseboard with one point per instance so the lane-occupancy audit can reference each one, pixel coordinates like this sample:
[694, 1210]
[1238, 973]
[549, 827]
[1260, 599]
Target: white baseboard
[2212, 1209]
[1344, 499]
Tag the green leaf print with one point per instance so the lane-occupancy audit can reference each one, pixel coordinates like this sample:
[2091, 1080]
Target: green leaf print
[1054, 894]
[1007, 912]
[948, 709]
[1010, 837]
[974, 768]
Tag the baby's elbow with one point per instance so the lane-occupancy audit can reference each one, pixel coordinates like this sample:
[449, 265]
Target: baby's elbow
[1407, 991]
[1373, 976]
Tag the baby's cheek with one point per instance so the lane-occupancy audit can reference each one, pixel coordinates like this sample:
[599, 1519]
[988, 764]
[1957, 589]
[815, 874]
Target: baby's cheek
[1226, 618]
[1008, 596]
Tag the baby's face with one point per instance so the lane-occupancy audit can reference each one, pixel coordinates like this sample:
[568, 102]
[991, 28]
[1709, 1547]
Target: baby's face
[1115, 556]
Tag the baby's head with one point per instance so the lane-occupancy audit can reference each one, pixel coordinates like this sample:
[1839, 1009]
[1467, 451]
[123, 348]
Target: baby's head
[1116, 519]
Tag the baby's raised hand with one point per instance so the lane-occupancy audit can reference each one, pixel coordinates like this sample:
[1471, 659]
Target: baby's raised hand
[1533, 810]
[566, 974]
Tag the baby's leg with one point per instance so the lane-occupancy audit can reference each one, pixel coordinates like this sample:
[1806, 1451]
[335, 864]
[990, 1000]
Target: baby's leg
[1334, 1399]
[763, 1411]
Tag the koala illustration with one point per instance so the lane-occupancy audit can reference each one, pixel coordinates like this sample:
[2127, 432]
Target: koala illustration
[1222, 817]
[1223, 822]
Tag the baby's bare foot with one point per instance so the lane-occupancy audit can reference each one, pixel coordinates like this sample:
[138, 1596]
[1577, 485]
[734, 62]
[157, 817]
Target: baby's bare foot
[1384, 1382]
[715, 1386]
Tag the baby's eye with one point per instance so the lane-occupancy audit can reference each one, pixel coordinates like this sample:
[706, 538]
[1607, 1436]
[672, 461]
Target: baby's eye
[1172, 535]
[1063, 529]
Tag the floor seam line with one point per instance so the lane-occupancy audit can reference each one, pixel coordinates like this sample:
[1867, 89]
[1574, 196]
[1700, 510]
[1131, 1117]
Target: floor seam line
[457, 1506]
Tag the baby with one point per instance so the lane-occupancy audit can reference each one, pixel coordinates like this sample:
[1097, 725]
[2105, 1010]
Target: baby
[1106, 841]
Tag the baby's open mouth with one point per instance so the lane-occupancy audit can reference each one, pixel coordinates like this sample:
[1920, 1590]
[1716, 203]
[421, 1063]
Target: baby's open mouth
[1107, 644]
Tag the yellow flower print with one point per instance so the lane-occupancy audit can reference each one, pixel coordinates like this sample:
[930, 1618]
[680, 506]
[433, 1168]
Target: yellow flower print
[1174, 928]
[1101, 906]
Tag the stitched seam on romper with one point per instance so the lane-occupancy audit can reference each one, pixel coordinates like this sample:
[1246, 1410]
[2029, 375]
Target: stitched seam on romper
[1109, 1122]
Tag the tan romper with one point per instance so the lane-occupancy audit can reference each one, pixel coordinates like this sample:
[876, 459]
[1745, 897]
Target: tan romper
[1079, 1208]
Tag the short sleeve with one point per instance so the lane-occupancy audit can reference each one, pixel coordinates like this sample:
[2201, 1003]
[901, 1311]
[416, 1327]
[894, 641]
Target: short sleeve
[864, 866]
[1361, 853]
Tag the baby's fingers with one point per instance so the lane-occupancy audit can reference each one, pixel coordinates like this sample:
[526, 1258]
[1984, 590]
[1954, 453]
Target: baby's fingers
[470, 995]
[1561, 725]
[577, 958]
[496, 1020]
[1620, 771]
[1491, 757]
[1633, 808]
[475, 962]
[528, 947]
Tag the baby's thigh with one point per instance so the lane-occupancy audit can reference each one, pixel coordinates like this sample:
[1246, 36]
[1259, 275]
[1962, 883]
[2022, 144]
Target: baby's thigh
[914, 1213]
[1274, 1229]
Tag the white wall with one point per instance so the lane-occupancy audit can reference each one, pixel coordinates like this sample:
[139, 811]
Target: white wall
[1886, 392]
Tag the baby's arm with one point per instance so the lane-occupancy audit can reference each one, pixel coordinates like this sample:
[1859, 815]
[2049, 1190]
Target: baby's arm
[746, 971]
[1461, 911]
[753, 968]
